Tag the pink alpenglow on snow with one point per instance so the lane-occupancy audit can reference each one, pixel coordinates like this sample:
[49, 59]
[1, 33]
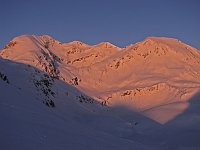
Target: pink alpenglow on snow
[142, 96]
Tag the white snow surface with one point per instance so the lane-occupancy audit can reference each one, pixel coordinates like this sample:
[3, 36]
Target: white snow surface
[77, 96]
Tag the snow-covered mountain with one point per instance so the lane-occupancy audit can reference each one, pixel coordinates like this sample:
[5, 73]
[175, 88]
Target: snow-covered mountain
[143, 96]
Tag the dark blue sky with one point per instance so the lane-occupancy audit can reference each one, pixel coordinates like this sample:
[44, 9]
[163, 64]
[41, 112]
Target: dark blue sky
[120, 22]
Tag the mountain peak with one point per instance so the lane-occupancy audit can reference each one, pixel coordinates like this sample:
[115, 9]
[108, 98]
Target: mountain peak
[106, 45]
[160, 40]
[164, 43]
[25, 38]
[32, 36]
[77, 44]
[155, 38]
[16, 40]
[45, 36]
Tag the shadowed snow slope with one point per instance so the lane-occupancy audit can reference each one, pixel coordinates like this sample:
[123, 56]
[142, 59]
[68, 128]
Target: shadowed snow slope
[124, 88]
[74, 121]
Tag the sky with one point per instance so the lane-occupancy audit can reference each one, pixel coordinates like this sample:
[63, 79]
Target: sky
[121, 22]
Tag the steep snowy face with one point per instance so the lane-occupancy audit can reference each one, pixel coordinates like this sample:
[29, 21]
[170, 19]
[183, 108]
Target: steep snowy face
[148, 59]
[35, 51]
[143, 64]
[145, 75]
[164, 58]
[78, 54]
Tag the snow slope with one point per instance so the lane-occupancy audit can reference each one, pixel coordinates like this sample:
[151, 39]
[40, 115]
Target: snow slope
[27, 122]
[144, 95]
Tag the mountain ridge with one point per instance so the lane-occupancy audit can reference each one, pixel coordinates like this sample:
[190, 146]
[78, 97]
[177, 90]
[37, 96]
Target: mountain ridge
[153, 38]
[59, 95]
[150, 70]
